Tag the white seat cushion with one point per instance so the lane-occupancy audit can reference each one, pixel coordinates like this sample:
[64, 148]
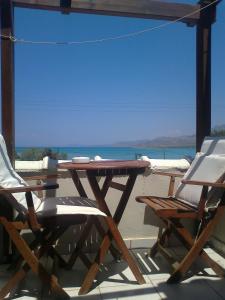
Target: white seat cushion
[203, 168]
[68, 206]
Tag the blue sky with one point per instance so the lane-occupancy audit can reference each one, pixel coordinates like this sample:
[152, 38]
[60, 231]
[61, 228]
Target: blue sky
[130, 89]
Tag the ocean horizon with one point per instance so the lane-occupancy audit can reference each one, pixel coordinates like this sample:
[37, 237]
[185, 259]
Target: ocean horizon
[120, 152]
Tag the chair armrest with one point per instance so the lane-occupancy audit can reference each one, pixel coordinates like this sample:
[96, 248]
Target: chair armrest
[168, 174]
[204, 183]
[39, 179]
[42, 177]
[33, 222]
[29, 188]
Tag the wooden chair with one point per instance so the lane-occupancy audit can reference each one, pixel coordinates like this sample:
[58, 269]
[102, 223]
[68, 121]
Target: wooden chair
[47, 219]
[200, 197]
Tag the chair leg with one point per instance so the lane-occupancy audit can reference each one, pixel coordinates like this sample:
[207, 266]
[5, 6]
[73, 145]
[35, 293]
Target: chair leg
[47, 245]
[125, 252]
[162, 238]
[220, 272]
[77, 251]
[185, 237]
[114, 252]
[197, 249]
[31, 263]
[93, 270]
[11, 283]
[154, 248]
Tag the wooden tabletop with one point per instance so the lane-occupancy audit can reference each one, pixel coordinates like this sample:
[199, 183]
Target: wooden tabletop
[115, 166]
[109, 164]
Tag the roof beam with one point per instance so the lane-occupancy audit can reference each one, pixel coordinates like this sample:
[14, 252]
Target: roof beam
[148, 9]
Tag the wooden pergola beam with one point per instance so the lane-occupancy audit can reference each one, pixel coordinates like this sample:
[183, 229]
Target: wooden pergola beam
[149, 9]
[7, 77]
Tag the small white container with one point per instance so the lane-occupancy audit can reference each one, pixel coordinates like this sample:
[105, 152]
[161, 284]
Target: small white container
[81, 159]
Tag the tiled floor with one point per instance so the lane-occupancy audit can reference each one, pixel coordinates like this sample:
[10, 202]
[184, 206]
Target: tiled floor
[115, 281]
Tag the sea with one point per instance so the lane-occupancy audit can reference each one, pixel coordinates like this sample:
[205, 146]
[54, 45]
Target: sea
[121, 153]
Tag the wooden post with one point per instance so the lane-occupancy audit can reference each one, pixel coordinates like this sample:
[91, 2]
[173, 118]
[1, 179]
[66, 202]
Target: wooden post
[6, 248]
[65, 6]
[203, 73]
[7, 73]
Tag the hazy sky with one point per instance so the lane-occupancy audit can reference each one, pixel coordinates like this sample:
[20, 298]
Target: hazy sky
[135, 88]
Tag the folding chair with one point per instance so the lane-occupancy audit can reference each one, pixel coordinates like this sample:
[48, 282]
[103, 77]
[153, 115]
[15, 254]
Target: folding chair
[47, 219]
[201, 197]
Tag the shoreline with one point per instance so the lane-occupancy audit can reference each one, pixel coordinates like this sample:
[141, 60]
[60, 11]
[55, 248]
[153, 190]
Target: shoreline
[118, 152]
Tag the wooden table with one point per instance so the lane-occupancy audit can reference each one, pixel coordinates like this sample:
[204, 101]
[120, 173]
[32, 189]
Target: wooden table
[107, 169]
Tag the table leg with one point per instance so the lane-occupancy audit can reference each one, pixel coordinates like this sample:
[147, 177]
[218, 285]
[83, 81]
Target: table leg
[78, 184]
[112, 233]
[92, 221]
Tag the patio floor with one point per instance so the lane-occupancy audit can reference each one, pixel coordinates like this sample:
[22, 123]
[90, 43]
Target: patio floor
[115, 281]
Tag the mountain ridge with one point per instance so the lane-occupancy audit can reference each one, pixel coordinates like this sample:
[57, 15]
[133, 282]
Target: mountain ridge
[164, 141]
[160, 142]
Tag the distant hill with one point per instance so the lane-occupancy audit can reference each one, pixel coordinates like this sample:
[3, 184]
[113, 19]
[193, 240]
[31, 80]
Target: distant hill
[161, 142]
[182, 141]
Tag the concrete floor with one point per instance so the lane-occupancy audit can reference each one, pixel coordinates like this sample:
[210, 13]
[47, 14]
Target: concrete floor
[115, 281]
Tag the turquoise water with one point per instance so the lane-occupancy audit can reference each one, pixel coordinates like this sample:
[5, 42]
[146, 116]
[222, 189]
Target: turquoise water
[122, 152]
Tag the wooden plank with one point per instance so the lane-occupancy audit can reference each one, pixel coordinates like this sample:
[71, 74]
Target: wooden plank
[7, 211]
[78, 184]
[29, 188]
[33, 263]
[7, 78]
[167, 174]
[127, 8]
[112, 233]
[196, 249]
[203, 73]
[205, 183]
[106, 185]
[125, 166]
[164, 208]
[124, 198]
[117, 186]
[171, 186]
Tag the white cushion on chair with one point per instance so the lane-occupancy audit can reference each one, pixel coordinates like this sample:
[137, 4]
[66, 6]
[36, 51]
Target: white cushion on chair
[68, 206]
[50, 206]
[213, 145]
[203, 168]
[9, 179]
